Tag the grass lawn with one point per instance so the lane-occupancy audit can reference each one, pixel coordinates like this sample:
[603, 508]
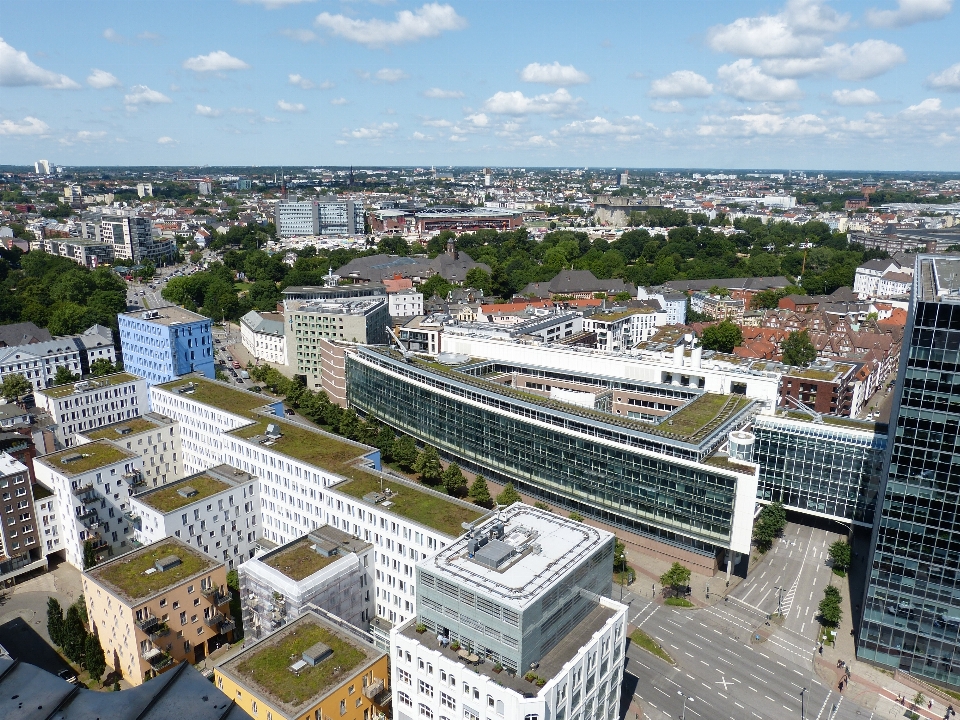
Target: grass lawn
[220, 396]
[67, 388]
[95, 454]
[300, 560]
[690, 421]
[109, 432]
[126, 575]
[678, 602]
[639, 637]
[269, 667]
[167, 498]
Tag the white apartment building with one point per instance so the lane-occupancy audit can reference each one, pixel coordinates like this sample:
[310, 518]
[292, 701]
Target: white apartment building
[405, 303]
[38, 362]
[90, 404]
[262, 334]
[133, 239]
[92, 484]
[20, 548]
[217, 511]
[867, 277]
[154, 437]
[622, 329]
[894, 284]
[48, 518]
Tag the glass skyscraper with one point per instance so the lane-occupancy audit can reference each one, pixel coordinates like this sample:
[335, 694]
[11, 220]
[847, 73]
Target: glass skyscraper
[911, 614]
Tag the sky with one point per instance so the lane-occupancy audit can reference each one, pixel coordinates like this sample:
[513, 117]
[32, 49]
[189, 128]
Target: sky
[801, 84]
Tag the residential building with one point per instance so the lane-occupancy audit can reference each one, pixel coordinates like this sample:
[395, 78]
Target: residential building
[327, 568]
[547, 327]
[133, 239]
[23, 333]
[334, 671]
[217, 510]
[867, 277]
[204, 187]
[48, 519]
[87, 405]
[160, 345]
[21, 550]
[93, 488]
[577, 284]
[621, 329]
[155, 437]
[145, 190]
[95, 343]
[911, 607]
[333, 291]
[718, 307]
[38, 361]
[157, 606]
[72, 193]
[826, 387]
[894, 284]
[13, 415]
[616, 211]
[89, 253]
[423, 334]
[673, 303]
[524, 592]
[262, 334]
[42, 167]
[326, 216]
[739, 288]
[405, 303]
[436, 219]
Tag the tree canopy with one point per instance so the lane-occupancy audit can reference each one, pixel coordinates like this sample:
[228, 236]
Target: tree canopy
[722, 337]
[798, 349]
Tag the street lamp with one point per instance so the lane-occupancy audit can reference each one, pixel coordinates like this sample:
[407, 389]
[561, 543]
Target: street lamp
[779, 599]
[802, 693]
[685, 700]
[623, 572]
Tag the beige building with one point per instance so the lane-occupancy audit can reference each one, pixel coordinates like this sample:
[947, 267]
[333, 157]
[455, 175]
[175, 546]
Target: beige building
[157, 606]
[156, 438]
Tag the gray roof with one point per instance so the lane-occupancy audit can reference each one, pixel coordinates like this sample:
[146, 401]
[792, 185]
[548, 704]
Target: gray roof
[22, 333]
[760, 283]
[578, 281]
[266, 323]
[381, 267]
[57, 346]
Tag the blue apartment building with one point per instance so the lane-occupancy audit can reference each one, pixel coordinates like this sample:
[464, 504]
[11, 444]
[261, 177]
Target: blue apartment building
[161, 345]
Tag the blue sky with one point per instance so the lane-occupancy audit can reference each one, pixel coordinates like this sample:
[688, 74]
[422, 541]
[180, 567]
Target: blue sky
[800, 84]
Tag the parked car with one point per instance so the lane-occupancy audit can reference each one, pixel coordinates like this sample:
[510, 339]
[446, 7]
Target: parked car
[69, 675]
[236, 365]
[289, 411]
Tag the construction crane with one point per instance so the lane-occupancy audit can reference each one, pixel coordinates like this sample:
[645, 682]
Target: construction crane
[407, 355]
[817, 417]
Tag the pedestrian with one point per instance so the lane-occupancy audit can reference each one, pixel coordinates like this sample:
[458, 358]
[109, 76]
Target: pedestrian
[821, 648]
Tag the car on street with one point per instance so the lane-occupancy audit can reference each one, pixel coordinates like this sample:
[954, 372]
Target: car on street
[217, 341]
[69, 675]
[236, 365]
[289, 411]
[229, 359]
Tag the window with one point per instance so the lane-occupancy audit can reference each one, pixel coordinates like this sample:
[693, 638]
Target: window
[448, 701]
[343, 707]
[499, 707]
[404, 676]
[426, 712]
[490, 701]
[351, 690]
[253, 707]
[426, 689]
[405, 699]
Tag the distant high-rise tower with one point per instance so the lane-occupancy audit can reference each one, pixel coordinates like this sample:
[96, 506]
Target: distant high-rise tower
[623, 179]
[42, 167]
[487, 177]
[351, 176]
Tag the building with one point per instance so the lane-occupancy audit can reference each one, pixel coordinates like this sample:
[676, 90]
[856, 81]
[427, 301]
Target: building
[133, 239]
[673, 303]
[217, 510]
[894, 284]
[72, 193]
[333, 671]
[826, 387]
[93, 488]
[739, 288]
[38, 361]
[616, 211]
[405, 303]
[327, 568]
[333, 290]
[867, 277]
[423, 334]
[718, 307]
[911, 607]
[184, 692]
[160, 345]
[87, 405]
[577, 284]
[204, 187]
[157, 606]
[145, 190]
[326, 216]
[155, 437]
[21, 549]
[48, 519]
[42, 167]
[522, 594]
[451, 265]
[623, 328]
[12, 415]
[363, 320]
[262, 334]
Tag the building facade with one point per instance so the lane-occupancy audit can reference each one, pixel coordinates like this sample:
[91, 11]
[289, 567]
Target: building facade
[155, 438]
[133, 239]
[319, 217]
[160, 345]
[87, 405]
[405, 303]
[21, 549]
[262, 334]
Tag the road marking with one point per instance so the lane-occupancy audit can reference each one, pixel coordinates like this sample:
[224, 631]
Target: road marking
[721, 695]
[738, 705]
[695, 645]
[752, 688]
[725, 661]
[664, 692]
[825, 701]
[780, 664]
[687, 654]
[769, 698]
[705, 663]
[706, 686]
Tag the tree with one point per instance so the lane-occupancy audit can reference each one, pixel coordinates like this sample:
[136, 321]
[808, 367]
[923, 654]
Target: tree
[453, 480]
[829, 607]
[919, 699]
[480, 493]
[89, 555]
[428, 466]
[74, 636]
[798, 350]
[435, 285]
[55, 621]
[509, 495]
[479, 279]
[384, 441]
[722, 337]
[14, 386]
[619, 555]
[575, 516]
[101, 367]
[95, 660]
[63, 376]
[405, 452]
[677, 578]
[840, 555]
[769, 525]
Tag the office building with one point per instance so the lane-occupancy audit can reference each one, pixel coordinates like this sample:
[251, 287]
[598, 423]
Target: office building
[262, 334]
[145, 190]
[911, 608]
[405, 303]
[217, 511]
[133, 239]
[333, 290]
[72, 193]
[157, 606]
[827, 387]
[204, 187]
[160, 345]
[42, 167]
[333, 671]
[21, 549]
[327, 568]
[38, 361]
[155, 437]
[523, 593]
[87, 405]
[326, 216]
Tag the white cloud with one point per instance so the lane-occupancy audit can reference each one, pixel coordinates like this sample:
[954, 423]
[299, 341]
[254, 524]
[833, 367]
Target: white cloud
[745, 81]
[440, 94]
[28, 126]
[683, 84]
[300, 35]
[672, 106]
[430, 20]
[83, 136]
[291, 107]
[373, 132]
[274, 4]
[763, 124]
[457, 138]
[327, 85]
[909, 12]
[113, 36]
[438, 123]
[300, 81]
[930, 107]
[553, 74]
[861, 96]
[338, 101]
[390, 75]
[101, 79]
[17, 70]
[166, 140]
[538, 141]
[478, 120]
[142, 95]
[516, 103]
[949, 79]
[860, 61]
[796, 31]
[421, 136]
[217, 61]
[626, 130]
[207, 111]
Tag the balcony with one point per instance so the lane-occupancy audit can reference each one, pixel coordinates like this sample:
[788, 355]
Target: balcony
[214, 620]
[217, 596]
[148, 623]
[78, 491]
[227, 626]
[373, 689]
[134, 479]
[159, 631]
[131, 517]
[90, 520]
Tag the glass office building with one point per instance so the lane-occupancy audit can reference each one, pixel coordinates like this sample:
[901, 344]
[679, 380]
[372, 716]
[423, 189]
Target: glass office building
[587, 461]
[911, 616]
[829, 469]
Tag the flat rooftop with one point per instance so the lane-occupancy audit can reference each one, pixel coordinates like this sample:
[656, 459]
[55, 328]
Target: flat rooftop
[348, 306]
[700, 417]
[83, 458]
[169, 315]
[219, 395]
[123, 429]
[168, 498]
[264, 667]
[298, 559]
[536, 550]
[91, 385]
[126, 575]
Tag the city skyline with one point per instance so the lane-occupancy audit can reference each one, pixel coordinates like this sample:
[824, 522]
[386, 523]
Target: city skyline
[810, 84]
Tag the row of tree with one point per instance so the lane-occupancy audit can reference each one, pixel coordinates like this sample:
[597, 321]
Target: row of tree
[769, 525]
[70, 634]
[797, 349]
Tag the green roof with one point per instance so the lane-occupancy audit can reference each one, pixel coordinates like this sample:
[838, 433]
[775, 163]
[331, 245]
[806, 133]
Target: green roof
[92, 455]
[614, 316]
[825, 375]
[727, 463]
[167, 498]
[316, 448]
[109, 432]
[698, 418]
[125, 574]
[220, 395]
[67, 389]
[299, 560]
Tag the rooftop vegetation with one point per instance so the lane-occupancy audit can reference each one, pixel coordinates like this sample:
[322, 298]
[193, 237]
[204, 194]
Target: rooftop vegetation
[299, 561]
[92, 455]
[167, 498]
[126, 573]
[109, 432]
[238, 402]
[106, 381]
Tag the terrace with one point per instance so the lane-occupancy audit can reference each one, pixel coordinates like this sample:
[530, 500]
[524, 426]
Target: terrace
[316, 448]
[220, 395]
[84, 458]
[99, 383]
[126, 574]
[168, 498]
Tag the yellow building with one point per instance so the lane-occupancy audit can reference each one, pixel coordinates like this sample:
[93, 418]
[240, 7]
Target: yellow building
[310, 669]
[156, 606]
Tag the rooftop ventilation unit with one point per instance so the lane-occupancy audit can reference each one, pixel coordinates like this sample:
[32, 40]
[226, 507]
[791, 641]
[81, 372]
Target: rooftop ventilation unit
[72, 457]
[317, 654]
[123, 430]
[273, 430]
[167, 563]
[187, 492]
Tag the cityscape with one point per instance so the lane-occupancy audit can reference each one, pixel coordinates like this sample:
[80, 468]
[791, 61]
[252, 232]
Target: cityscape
[599, 371]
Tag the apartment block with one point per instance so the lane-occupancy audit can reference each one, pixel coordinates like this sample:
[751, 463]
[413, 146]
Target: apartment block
[157, 606]
[38, 362]
[217, 511]
[133, 239]
[160, 345]
[155, 437]
[88, 405]
[622, 329]
[405, 303]
[327, 216]
[20, 548]
[262, 334]
[48, 518]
